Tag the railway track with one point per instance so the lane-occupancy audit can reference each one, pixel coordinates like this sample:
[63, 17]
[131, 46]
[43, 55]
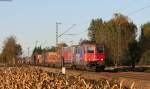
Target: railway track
[132, 75]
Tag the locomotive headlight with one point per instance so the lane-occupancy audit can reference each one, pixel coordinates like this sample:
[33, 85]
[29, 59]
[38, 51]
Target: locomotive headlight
[102, 59]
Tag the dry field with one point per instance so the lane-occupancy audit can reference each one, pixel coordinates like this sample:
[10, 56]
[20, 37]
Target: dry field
[34, 78]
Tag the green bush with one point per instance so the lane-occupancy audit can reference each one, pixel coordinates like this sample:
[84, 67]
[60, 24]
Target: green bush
[145, 60]
[109, 61]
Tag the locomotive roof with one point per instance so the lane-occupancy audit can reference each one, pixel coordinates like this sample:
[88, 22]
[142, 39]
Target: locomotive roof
[94, 44]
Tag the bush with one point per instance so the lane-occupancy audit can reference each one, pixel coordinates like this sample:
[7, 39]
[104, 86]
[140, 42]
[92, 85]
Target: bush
[126, 61]
[145, 60]
[109, 61]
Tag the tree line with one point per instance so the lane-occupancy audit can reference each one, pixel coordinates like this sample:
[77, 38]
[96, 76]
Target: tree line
[118, 35]
[40, 50]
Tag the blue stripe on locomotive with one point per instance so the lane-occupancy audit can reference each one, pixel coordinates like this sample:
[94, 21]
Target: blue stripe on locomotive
[79, 52]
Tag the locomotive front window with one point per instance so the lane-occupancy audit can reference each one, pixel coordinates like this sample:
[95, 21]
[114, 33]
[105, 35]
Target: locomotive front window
[90, 50]
[100, 50]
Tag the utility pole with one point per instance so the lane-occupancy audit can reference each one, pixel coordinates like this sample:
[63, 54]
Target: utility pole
[28, 51]
[57, 24]
[58, 36]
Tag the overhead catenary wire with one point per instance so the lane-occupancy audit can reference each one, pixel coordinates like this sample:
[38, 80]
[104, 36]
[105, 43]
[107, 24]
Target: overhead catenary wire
[81, 24]
[78, 33]
[66, 30]
[139, 10]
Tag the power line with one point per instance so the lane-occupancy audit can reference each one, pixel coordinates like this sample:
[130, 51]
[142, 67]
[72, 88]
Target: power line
[71, 34]
[78, 33]
[83, 32]
[66, 30]
[136, 11]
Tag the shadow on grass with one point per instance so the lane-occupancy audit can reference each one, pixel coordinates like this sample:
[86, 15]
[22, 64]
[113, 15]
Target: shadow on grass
[130, 69]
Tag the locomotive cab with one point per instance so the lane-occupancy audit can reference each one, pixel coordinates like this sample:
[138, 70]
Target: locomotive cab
[100, 54]
[95, 57]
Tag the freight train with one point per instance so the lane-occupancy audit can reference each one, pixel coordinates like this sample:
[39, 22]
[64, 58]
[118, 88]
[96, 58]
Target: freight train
[86, 56]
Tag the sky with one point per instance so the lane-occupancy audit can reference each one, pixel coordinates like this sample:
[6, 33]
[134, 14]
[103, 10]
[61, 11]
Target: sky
[34, 21]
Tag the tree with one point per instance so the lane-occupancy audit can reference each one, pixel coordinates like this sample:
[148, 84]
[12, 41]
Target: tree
[123, 31]
[134, 52]
[145, 37]
[93, 28]
[126, 61]
[18, 50]
[50, 49]
[145, 59]
[61, 45]
[85, 42]
[145, 43]
[11, 50]
[37, 50]
[115, 34]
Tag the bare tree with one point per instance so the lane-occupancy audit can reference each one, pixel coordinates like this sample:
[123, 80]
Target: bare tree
[11, 50]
